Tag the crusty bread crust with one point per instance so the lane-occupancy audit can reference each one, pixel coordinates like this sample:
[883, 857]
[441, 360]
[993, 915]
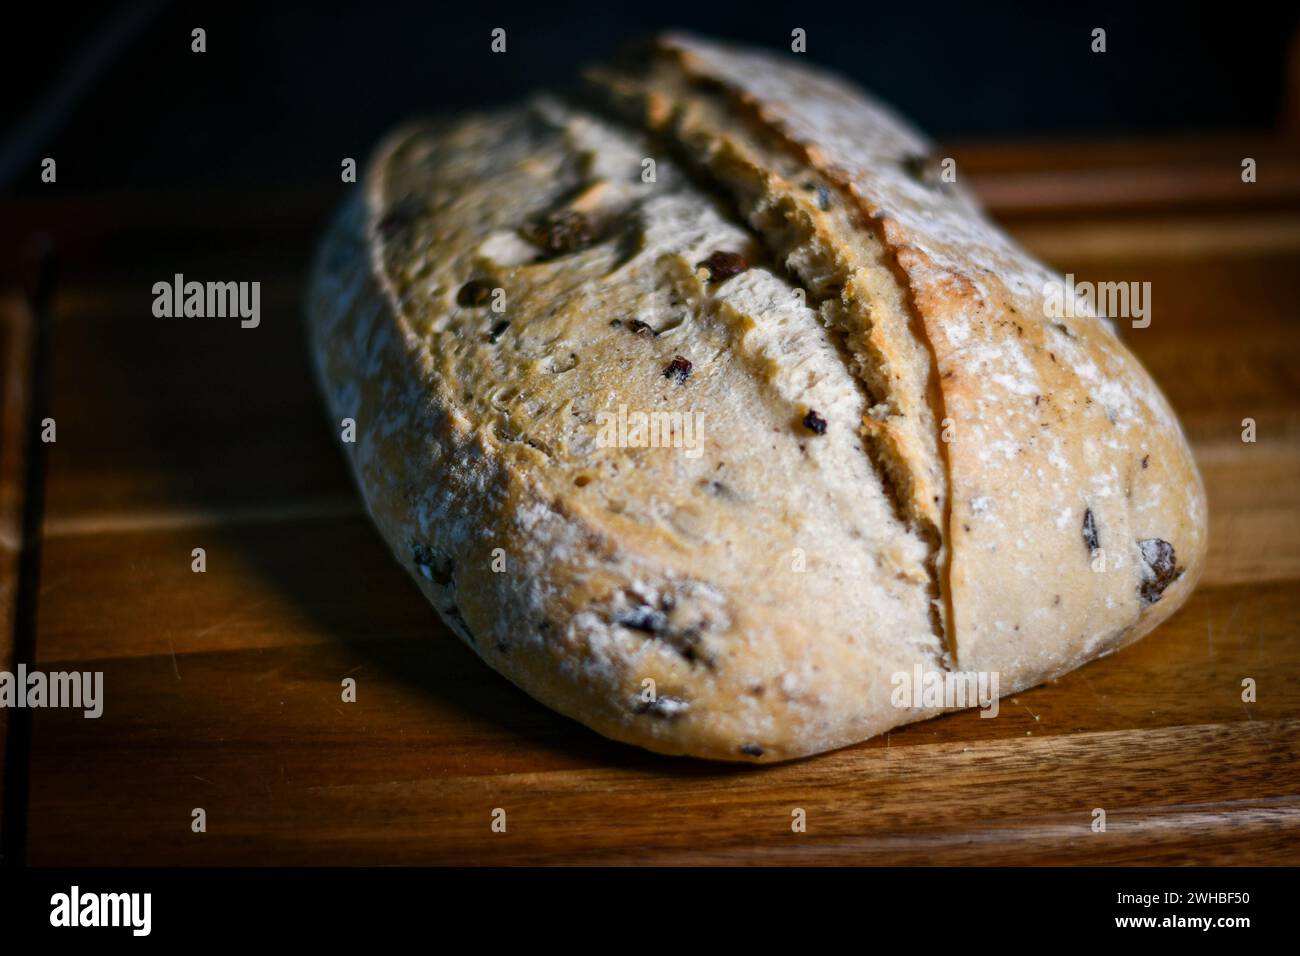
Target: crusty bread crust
[832, 314]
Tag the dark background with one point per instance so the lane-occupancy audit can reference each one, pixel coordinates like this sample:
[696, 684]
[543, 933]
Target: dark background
[285, 90]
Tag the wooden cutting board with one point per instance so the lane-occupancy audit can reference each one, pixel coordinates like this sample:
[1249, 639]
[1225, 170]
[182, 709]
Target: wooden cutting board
[223, 688]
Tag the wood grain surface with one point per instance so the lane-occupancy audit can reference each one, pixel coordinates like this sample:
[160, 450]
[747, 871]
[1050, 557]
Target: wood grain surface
[223, 688]
[16, 367]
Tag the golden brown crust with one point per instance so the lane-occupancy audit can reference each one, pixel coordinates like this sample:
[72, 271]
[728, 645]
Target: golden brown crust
[769, 579]
[1055, 426]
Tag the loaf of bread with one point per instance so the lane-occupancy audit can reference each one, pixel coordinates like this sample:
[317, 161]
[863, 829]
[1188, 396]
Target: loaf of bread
[708, 411]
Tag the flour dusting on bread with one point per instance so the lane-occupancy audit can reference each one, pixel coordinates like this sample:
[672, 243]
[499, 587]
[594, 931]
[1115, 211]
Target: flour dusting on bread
[706, 459]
